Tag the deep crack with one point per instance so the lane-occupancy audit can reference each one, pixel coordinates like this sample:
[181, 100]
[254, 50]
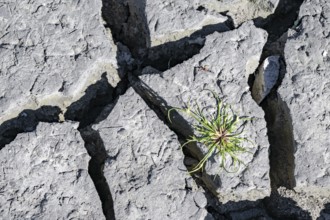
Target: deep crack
[281, 139]
[97, 97]
[96, 149]
[130, 27]
[27, 121]
[278, 23]
[277, 114]
[172, 53]
[93, 107]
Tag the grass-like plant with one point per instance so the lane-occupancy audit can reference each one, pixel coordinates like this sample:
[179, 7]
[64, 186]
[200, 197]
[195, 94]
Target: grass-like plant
[220, 133]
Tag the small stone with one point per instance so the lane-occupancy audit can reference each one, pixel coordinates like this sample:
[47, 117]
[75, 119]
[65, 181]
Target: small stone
[266, 78]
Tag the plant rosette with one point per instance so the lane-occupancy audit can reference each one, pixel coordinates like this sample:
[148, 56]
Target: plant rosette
[219, 133]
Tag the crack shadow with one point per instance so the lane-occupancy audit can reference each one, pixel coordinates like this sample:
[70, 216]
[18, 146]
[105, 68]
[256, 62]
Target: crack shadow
[169, 54]
[128, 24]
[131, 28]
[281, 20]
[93, 107]
[95, 148]
[277, 113]
[278, 116]
[281, 139]
[88, 107]
[325, 212]
[277, 26]
[280, 207]
[27, 121]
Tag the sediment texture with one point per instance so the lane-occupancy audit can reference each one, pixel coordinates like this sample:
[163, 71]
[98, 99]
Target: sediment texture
[51, 51]
[44, 174]
[86, 87]
[145, 167]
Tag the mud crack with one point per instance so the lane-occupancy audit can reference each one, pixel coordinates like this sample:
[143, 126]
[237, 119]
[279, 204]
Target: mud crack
[91, 108]
[27, 121]
[128, 23]
[96, 149]
[277, 114]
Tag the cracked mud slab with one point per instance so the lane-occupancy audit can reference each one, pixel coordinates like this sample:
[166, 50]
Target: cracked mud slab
[226, 75]
[44, 175]
[145, 168]
[51, 51]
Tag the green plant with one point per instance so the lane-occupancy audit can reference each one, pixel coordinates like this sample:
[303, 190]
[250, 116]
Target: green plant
[220, 133]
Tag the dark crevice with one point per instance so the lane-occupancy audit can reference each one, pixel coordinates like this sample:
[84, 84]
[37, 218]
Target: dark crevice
[277, 114]
[230, 22]
[96, 149]
[27, 121]
[281, 139]
[215, 213]
[128, 24]
[280, 207]
[325, 212]
[93, 107]
[200, 8]
[96, 97]
[277, 24]
[169, 54]
[179, 126]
